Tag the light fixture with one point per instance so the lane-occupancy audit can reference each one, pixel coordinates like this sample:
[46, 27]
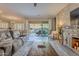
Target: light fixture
[60, 24]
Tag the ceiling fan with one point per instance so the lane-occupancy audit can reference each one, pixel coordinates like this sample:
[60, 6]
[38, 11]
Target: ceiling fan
[35, 4]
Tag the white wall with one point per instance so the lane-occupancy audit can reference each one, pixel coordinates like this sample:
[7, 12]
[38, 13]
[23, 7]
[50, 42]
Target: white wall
[63, 17]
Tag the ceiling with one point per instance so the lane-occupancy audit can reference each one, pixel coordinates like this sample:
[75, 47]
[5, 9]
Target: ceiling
[42, 10]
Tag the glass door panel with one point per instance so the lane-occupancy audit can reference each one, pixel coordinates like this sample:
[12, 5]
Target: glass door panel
[40, 29]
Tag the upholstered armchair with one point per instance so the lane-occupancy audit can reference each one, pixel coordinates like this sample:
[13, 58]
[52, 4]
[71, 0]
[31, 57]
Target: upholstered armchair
[6, 47]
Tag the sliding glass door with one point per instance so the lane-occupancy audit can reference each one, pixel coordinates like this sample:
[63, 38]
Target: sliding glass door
[39, 28]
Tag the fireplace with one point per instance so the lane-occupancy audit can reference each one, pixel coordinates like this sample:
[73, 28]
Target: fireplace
[75, 43]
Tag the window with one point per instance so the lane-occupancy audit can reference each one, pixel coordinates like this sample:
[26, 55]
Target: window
[3, 25]
[19, 26]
